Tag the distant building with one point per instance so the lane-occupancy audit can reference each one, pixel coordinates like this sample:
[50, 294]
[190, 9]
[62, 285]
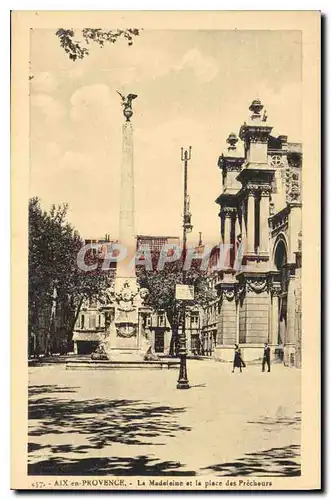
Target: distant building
[156, 243]
[90, 325]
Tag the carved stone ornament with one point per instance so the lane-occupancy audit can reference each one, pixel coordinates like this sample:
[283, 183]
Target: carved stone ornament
[292, 184]
[275, 290]
[252, 191]
[229, 211]
[228, 293]
[144, 293]
[256, 108]
[265, 192]
[126, 297]
[240, 292]
[234, 166]
[276, 161]
[257, 285]
[126, 330]
[259, 137]
[232, 141]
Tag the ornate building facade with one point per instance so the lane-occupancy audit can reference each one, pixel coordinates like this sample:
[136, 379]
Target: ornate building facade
[259, 287]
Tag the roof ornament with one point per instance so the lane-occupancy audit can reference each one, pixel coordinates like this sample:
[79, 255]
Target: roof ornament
[256, 108]
[232, 141]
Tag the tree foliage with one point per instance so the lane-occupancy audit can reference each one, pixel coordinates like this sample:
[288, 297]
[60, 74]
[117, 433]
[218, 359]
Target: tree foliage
[161, 285]
[78, 50]
[53, 248]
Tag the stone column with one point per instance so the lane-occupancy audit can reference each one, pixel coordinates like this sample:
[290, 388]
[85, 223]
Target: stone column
[237, 321]
[264, 227]
[290, 327]
[219, 338]
[229, 321]
[250, 223]
[233, 238]
[227, 237]
[273, 336]
[243, 224]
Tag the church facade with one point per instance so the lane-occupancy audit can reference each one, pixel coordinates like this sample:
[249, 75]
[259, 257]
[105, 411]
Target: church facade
[259, 285]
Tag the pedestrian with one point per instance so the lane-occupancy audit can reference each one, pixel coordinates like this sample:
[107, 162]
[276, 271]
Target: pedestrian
[238, 361]
[266, 357]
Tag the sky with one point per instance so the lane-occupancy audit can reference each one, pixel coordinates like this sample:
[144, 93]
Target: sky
[194, 87]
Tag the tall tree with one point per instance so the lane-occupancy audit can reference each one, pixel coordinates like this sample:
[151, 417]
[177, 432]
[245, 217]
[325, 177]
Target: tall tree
[55, 279]
[79, 49]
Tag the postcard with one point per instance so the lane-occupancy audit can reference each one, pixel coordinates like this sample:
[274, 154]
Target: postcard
[165, 250]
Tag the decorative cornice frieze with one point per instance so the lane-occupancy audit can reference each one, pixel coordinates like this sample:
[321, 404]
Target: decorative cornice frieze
[255, 190]
[228, 212]
[230, 163]
[235, 166]
[275, 289]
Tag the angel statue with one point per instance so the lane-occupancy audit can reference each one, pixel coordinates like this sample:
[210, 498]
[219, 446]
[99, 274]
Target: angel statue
[127, 104]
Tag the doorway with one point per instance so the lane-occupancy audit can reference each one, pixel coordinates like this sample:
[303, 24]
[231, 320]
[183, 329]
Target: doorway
[159, 341]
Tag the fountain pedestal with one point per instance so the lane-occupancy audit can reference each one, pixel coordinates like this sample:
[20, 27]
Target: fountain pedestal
[125, 338]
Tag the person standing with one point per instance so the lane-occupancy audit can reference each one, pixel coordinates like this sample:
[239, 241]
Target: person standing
[238, 361]
[266, 357]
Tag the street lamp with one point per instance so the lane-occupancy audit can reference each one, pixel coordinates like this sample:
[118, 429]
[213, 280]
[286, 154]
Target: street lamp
[183, 382]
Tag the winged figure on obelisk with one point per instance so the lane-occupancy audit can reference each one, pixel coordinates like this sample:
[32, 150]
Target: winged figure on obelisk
[127, 104]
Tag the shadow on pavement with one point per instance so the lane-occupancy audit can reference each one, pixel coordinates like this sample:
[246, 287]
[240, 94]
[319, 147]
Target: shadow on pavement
[274, 462]
[101, 423]
[138, 466]
[50, 389]
[269, 424]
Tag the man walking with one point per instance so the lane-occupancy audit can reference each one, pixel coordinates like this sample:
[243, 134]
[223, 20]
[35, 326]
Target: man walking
[266, 357]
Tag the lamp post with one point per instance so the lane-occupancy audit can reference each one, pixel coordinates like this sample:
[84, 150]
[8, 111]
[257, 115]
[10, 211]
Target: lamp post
[182, 382]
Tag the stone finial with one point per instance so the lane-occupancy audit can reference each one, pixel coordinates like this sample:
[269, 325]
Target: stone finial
[232, 141]
[256, 108]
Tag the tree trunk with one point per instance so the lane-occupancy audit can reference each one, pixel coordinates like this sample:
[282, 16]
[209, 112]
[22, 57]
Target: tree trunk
[71, 326]
[173, 320]
[50, 334]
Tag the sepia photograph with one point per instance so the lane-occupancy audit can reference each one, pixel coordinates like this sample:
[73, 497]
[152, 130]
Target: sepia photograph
[165, 230]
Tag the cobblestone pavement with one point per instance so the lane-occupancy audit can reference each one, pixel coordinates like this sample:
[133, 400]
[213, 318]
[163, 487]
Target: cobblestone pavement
[131, 422]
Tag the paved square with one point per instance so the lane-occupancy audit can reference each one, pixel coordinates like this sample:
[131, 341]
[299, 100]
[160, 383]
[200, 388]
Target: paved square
[131, 422]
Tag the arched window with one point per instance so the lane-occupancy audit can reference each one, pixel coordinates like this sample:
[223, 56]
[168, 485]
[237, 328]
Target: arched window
[280, 261]
[280, 254]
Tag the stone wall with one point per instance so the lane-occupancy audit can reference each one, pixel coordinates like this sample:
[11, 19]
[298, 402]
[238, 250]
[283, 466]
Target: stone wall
[254, 318]
[227, 326]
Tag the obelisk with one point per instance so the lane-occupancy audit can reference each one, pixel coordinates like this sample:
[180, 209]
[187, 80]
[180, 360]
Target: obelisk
[125, 342]
[126, 221]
